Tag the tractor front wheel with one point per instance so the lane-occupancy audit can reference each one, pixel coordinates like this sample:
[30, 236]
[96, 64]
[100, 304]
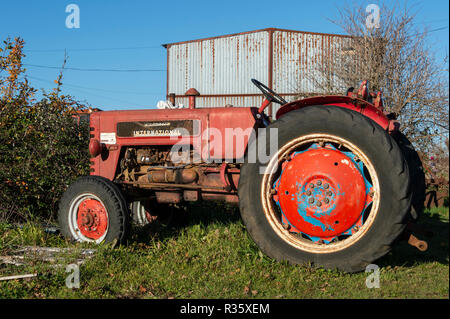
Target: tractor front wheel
[93, 209]
[335, 194]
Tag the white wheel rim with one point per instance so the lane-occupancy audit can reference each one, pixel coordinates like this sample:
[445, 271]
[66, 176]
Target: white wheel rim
[73, 215]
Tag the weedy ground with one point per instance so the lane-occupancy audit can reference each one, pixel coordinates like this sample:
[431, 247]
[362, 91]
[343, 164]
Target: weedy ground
[212, 256]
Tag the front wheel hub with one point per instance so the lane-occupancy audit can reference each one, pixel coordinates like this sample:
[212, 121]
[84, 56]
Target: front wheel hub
[322, 192]
[92, 219]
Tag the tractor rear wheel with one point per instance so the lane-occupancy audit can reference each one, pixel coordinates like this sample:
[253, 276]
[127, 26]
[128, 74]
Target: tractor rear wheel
[93, 209]
[416, 174]
[335, 194]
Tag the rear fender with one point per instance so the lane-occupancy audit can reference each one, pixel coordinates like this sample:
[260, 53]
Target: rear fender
[355, 104]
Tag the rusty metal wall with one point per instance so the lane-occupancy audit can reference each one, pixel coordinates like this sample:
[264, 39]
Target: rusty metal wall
[298, 59]
[220, 68]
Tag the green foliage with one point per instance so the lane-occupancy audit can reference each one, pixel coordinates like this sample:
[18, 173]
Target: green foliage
[42, 147]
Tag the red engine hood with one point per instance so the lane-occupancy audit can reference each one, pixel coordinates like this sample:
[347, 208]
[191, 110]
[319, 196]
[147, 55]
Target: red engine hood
[219, 133]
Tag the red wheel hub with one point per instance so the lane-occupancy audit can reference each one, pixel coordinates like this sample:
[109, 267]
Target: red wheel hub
[92, 218]
[321, 192]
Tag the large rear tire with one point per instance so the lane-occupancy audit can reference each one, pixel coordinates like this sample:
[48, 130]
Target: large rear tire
[335, 194]
[416, 174]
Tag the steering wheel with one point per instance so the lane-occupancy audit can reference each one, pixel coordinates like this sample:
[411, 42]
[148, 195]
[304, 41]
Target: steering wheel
[270, 95]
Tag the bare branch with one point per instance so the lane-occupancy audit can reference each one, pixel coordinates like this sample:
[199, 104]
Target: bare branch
[397, 60]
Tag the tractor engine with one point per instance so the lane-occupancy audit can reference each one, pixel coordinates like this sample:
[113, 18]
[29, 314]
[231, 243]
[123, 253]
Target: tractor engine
[174, 177]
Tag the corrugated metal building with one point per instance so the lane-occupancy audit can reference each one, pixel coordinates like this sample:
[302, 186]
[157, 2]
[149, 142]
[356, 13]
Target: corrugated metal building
[220, 68]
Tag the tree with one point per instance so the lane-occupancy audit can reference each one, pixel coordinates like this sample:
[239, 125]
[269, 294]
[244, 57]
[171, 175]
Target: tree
[395, 57]
[42, 148]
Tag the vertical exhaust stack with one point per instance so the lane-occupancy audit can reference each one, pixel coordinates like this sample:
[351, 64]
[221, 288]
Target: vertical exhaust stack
[192, 93]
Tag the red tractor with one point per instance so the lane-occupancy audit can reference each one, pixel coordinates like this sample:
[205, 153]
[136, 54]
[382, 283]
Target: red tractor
[331, 182]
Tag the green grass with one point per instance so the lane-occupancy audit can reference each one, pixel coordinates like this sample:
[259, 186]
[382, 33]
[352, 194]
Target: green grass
[212, 256]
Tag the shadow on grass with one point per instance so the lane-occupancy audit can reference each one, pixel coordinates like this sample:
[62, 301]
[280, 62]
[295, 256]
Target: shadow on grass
[406, 255]
[202, 213]
[208, 213]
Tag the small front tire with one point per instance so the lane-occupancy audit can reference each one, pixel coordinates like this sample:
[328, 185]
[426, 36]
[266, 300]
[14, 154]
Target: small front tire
[93, 209]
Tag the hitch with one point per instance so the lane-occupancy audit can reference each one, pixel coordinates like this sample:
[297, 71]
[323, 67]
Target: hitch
[419, 244]
[413, 240]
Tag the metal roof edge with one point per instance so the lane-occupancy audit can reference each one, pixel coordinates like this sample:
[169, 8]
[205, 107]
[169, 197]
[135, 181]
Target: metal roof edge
[167, 45]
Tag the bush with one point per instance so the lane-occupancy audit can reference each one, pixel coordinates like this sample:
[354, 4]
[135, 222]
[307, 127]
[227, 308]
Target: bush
[42, 147]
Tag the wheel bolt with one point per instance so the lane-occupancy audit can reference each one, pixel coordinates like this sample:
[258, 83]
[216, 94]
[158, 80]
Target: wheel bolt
[319, 183]
[326, 185]
[319, 204]
[326, 200]
[311, 200]
[311, 185]
[329, 193]
[308, 193]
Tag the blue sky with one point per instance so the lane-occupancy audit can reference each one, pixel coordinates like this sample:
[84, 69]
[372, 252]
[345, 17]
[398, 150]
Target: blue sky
[129, 34]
